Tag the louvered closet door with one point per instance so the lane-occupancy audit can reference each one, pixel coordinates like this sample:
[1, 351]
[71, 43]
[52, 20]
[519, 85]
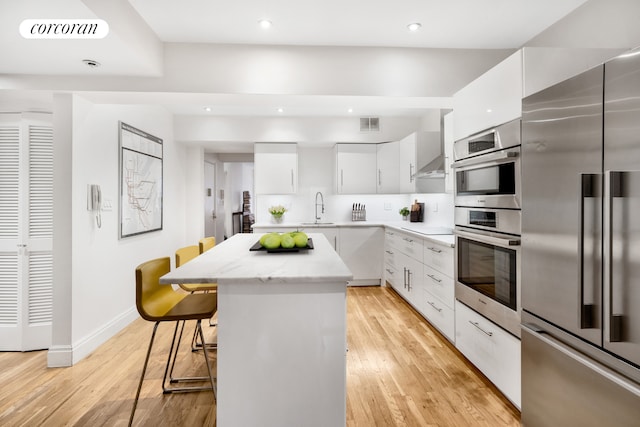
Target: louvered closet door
[26, 228]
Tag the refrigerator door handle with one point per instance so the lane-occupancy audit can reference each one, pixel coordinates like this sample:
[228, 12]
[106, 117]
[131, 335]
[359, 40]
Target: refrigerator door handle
[615, 320]
[589, 189]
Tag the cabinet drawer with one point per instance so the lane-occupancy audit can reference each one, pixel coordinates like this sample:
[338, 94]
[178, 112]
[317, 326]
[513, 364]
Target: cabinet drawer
[391, 256]
[411, 246]
[392, 239]
[439, 257]
[439, 285]
[493, 350]
[438, 314]
[391, 275]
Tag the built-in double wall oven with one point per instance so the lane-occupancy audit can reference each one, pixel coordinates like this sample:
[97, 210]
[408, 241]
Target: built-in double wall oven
[487, 224]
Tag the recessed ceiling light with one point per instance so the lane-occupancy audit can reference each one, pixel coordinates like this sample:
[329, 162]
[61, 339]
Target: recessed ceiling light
[207, 109]
[350, 110]
[280, 110]
[265, 23]
[414, 27]
[489, 110]
[91, 63]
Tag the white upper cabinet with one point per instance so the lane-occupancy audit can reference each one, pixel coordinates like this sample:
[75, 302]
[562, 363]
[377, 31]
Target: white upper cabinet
[356, 168]
[408, 163]
[492, 99]
[276, 168]
[388, 179]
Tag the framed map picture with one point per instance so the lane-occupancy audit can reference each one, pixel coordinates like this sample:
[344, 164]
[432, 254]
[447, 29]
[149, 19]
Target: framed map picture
[140, 181]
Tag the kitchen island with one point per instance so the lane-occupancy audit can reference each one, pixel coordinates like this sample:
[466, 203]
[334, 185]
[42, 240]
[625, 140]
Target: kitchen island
[281, 332]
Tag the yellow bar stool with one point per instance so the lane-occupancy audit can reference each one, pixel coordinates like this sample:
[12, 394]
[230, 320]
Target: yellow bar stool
[184, 255]
[206, 243]
[161, 303]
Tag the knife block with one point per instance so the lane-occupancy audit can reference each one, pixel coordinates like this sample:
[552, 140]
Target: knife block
[417, 216]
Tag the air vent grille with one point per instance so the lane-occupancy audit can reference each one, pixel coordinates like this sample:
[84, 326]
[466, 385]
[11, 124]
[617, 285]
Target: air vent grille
[369, 124]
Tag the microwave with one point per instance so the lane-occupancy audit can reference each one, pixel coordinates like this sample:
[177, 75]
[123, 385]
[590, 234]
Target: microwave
[489, 175]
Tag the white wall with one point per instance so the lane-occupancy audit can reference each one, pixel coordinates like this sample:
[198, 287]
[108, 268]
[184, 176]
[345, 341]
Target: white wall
[102, 278]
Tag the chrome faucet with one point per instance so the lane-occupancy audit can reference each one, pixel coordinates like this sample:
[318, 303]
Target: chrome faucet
[321, 204]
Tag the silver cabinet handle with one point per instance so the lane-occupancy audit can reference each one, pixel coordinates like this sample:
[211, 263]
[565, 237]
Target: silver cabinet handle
[410, 172]
[389, 271]
[292, 186]
[434, 306]
[379, 177]
[406, 239]
[404, 279]
[389, 252]
[434, 278]
[409, 281]
[341, 178]
[477, 325]
[438, 251]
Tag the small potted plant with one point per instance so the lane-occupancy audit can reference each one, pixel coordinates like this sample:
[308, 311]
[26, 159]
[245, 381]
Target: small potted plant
[276, 213]
[405, 213]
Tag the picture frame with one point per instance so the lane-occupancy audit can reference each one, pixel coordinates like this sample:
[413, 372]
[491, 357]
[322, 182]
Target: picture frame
[141, 157]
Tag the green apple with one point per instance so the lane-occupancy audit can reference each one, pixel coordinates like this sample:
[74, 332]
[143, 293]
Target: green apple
[272, 241]
[287, 241]
[300, 239]
[263, 238]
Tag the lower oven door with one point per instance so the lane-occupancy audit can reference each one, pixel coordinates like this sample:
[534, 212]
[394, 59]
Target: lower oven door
[488, 276]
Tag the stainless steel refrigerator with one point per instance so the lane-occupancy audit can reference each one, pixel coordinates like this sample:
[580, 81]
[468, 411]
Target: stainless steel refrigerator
[581, 249]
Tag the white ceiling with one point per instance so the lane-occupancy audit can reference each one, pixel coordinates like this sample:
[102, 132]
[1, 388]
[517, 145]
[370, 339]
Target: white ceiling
[478, 24]
[136, 47]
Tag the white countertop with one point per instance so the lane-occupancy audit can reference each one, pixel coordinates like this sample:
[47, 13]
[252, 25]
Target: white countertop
[442, 235]
[231, 262]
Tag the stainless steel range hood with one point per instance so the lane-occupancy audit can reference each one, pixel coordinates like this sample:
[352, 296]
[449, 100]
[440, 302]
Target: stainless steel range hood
[433, 169]
[430, 153]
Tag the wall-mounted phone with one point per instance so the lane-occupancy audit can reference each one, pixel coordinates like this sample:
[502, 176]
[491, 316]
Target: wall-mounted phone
[94, 202]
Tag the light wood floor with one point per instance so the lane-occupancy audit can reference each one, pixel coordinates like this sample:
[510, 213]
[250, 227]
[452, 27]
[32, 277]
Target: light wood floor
[400, 372]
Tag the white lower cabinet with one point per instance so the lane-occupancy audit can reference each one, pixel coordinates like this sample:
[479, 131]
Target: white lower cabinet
[438, 314]
[412, 280]
[491, 349]
[359, 248]
[440, 285]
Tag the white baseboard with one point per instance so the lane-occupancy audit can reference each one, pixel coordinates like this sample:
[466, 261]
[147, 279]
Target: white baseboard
[61, 356]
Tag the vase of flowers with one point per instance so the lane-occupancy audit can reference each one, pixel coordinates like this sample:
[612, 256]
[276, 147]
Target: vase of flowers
[277, 213]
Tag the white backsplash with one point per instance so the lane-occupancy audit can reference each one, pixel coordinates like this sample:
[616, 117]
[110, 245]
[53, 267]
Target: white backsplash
[380, 207]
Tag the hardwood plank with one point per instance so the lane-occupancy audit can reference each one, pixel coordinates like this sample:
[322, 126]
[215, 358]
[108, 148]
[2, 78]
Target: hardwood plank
[400, 372]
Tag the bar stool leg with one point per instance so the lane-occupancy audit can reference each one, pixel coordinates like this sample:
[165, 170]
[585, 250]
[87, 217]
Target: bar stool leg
[144, 370]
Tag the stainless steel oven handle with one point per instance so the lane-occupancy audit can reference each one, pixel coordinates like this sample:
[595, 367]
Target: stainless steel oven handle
[498, 157]
[492, 240]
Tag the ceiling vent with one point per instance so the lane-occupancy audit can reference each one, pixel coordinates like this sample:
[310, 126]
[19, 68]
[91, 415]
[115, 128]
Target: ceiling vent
[369, 124]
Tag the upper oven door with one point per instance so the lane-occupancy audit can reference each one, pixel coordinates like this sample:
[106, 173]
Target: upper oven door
[491, 180]
[494, 139]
